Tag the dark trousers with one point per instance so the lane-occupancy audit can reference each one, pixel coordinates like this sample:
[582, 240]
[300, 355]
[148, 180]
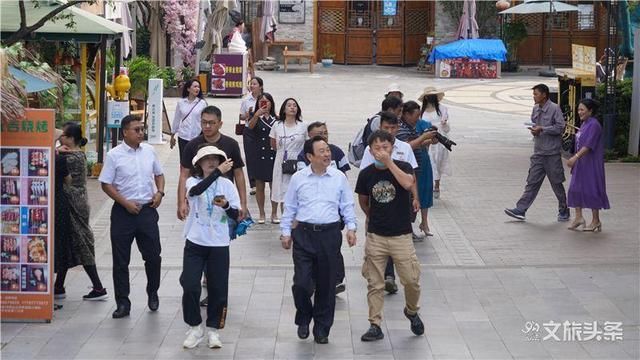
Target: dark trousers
[144, 228]
[340, 271]
[182, 143]
[315, 261]
[214, 261]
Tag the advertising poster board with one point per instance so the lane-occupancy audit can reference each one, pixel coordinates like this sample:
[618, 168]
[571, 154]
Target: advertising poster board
[26, 236]
[464, 68]
[155, 106]
[228, 75]
[291, 12]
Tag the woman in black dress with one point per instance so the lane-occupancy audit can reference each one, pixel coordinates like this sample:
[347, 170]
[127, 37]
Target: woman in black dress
[74, 242]
[260, 123]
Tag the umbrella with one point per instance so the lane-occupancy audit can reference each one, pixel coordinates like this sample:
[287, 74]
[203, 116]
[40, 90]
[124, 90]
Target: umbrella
[468, 27]
[213, 30]
[268, 21]
[544, 7]
[158, 46]
[539, 6]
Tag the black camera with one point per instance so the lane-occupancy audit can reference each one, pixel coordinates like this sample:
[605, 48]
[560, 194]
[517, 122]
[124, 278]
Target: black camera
[448, 143]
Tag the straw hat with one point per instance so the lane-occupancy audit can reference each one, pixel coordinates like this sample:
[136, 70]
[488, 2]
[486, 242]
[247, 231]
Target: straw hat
[208, 151]
[430, 90]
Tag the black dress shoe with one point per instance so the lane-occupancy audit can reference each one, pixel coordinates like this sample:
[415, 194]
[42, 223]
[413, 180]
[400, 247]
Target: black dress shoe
[121, 312]
[303, 331]
[321, 339]
[154, 302]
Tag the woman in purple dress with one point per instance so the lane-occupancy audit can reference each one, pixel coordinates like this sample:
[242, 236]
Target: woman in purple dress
[587, 188]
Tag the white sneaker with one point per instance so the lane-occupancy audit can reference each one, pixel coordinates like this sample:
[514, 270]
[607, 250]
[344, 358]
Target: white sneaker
[195, 334]
[214, 339]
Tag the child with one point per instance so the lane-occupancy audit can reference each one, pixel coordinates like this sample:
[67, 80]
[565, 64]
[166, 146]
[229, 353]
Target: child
[213, 201]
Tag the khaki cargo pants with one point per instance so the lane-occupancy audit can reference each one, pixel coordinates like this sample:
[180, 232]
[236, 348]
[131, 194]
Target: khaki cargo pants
[376, 251]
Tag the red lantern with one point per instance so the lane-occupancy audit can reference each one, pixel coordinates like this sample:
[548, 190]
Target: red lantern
[502, 5]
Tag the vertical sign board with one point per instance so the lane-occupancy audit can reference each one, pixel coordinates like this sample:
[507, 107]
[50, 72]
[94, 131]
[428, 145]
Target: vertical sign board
[154, 123]
[27, 174]
[228, 74]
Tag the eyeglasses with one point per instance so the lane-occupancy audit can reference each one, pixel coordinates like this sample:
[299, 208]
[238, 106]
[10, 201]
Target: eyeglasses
[207, 123]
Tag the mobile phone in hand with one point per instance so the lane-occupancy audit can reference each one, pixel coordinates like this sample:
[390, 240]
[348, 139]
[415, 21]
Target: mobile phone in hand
[263, 103]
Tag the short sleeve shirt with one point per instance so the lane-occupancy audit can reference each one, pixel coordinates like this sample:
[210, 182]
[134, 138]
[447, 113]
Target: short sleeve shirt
[390, 203]
[225, 143]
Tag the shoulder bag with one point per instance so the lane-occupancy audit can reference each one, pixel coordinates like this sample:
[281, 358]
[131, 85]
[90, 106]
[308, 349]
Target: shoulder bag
[289, 167]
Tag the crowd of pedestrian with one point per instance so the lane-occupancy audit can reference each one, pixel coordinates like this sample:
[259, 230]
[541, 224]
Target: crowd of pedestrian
[400, 175]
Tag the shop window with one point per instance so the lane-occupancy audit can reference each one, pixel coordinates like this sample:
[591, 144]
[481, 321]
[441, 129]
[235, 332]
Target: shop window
[560, 21]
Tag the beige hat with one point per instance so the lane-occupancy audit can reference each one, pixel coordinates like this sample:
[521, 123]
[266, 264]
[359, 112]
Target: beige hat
[393, 88]
[430, 90]
[207, 151]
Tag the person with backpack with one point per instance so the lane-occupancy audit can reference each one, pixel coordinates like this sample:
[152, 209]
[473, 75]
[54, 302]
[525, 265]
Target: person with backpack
[359, 143]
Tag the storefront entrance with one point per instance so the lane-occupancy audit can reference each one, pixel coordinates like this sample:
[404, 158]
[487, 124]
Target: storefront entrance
[374, 32]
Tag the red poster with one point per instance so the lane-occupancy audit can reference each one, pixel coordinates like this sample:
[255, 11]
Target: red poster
[228, 75]
[26, 206]
[468, 68]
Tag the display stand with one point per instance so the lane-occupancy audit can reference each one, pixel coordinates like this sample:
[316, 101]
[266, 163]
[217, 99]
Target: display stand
[228, 75]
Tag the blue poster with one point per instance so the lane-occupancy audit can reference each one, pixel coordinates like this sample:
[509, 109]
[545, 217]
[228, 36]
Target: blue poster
[389, 7]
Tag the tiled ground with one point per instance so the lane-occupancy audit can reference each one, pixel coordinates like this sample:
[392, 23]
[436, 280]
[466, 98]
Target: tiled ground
[483, 276]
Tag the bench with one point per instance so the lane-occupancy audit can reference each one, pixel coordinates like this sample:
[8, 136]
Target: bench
[310, 55]
[294, 44]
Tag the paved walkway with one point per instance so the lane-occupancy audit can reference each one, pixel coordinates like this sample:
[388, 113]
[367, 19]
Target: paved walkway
[484, 277]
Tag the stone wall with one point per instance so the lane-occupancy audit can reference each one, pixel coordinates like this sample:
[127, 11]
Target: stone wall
[296, 31]
[445, 26]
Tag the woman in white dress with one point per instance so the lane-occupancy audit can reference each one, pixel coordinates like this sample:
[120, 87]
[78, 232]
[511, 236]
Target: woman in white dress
[438, 115]
[287, 138]
[186, 121]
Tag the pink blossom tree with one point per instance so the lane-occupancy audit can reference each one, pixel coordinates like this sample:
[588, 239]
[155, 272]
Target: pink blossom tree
[180, 20]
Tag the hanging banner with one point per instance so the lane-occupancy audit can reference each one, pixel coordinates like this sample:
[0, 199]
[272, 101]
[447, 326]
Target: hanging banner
[154, 121]
[26, 206]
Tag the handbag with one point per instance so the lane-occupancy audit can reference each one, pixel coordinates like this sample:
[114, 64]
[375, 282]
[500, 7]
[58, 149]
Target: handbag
[569, 146]
[240, 127]
[289, 167]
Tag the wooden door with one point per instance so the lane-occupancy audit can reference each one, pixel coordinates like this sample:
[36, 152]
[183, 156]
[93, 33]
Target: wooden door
[332, 21]
[390, 33]
[418, 22]
[360, 29]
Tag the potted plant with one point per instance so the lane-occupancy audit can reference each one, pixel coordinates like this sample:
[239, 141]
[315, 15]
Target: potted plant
[141, 69]
[327, 56]
[170, 81]
[514, 33]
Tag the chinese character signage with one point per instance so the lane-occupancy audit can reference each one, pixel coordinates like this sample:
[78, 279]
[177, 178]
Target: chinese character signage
[26, 204]
[154, 122]
[468, 68]
[291, 12]
[228, 74]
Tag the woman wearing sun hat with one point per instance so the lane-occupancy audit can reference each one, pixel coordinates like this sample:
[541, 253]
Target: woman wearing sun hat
[438, 114]
[213, 201]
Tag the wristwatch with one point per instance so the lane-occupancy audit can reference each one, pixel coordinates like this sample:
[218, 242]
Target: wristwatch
[161, 193]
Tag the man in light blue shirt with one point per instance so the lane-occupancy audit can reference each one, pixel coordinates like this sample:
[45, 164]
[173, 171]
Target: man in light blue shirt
[316, 197]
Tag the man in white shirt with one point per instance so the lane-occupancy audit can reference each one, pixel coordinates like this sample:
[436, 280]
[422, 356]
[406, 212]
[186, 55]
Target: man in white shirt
[133, 178]
[315, 198]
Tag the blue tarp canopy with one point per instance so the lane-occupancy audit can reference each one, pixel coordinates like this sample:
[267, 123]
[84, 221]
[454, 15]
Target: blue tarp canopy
[31, 83]
[485, 49]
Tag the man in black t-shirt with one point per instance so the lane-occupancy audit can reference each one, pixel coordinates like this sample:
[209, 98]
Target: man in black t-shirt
[384, 194]
[211, 122]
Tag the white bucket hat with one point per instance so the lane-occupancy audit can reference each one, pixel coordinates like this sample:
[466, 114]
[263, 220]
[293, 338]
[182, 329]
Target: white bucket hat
[393, 88]
[208, 151]
[430, 90]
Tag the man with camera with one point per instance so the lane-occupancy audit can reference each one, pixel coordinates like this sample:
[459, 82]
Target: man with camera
[547, 126]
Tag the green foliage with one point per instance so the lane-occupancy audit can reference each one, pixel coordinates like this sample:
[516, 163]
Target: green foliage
[169, 77]
[623, 115]
[515, 32]
[187, 73]
[631, 159]
[486, 16]
[141, 69]
[327, 52]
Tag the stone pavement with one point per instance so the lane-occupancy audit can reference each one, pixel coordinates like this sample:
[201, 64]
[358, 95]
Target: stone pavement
[484, 277]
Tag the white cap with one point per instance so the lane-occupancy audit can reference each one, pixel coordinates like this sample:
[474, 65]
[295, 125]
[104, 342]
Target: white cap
[393, 88]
